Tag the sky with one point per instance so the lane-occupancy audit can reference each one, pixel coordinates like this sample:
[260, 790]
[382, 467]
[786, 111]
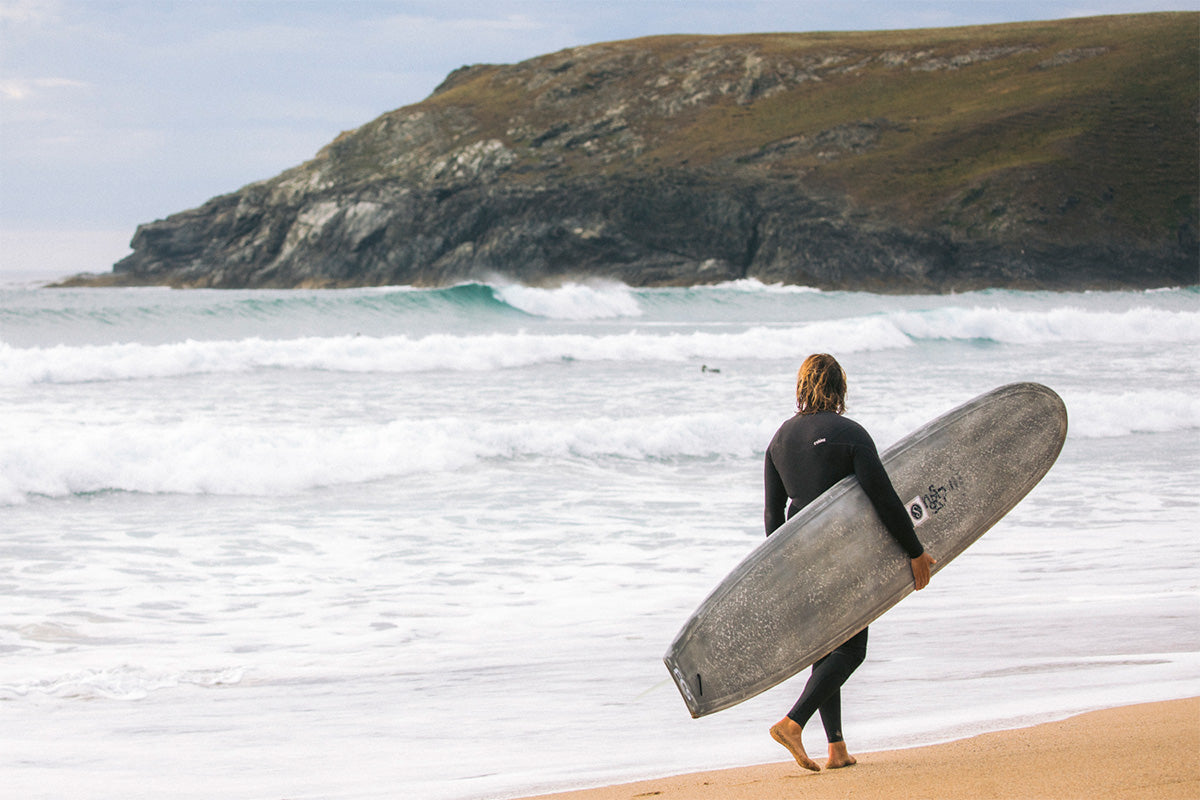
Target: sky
[115, 113]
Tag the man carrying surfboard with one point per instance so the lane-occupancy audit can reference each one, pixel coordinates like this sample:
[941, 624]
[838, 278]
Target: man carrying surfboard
[810, 452]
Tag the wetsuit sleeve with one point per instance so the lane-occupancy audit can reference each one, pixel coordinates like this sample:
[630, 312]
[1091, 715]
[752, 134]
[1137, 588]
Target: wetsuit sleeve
[775, 506]
[878, 486]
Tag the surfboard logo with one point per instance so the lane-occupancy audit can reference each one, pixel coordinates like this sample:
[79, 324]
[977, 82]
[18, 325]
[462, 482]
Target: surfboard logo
[935, 498]
[917, 511]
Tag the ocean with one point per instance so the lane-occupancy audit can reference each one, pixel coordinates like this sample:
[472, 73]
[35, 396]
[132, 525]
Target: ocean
[407, 543]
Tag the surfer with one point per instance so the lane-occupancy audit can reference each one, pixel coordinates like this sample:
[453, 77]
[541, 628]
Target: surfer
[809, 453]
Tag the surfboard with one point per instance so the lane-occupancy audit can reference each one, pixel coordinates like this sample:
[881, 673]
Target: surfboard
[833, 568]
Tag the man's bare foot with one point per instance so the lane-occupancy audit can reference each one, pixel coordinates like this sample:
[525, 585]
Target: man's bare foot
[839, 757]
[787, 733]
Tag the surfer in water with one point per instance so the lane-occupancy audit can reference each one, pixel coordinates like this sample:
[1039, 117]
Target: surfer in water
[809, 453]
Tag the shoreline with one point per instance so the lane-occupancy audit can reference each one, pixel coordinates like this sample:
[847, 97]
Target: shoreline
[1148, 751]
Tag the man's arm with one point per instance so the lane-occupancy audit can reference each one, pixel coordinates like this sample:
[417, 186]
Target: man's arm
[878, 486]
[775, 502]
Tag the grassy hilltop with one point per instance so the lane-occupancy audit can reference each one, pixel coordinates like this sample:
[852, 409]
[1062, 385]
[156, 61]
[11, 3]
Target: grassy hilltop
[988, 118]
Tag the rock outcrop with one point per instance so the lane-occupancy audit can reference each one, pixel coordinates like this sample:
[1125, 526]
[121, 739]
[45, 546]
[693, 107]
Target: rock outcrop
[1050, 155]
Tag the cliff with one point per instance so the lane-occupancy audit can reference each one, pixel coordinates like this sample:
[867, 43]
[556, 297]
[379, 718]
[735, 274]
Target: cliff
[1033, 155]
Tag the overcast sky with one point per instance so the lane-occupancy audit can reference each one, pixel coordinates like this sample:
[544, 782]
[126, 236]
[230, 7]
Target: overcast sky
[116, 113]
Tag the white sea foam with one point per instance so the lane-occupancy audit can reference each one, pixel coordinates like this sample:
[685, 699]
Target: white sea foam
[755, 285]
[126, 682]
[1058, 325]
[205, 457]
[209, 458]
[572, 301]
[403, 354]
[1098, 416]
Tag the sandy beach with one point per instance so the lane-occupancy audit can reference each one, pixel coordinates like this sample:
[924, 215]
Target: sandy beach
[1149, 751]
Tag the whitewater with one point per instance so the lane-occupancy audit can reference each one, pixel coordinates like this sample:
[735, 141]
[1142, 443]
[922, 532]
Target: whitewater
[433, 543]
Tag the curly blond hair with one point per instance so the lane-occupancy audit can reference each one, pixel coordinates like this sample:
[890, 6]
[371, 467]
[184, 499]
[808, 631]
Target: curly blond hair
[820, 385]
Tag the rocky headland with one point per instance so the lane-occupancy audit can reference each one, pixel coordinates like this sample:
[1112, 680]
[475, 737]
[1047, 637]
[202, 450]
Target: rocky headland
[1059, 155]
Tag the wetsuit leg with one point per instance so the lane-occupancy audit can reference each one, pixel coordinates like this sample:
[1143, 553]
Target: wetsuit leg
[822, 692]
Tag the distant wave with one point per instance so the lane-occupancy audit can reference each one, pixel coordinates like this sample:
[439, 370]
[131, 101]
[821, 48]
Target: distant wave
[755, 285]
[101, 316]
[474, 305]
[208, 457]
[1057, 325]
[572, 301]
[467, 300]
[402, 354]
[480, 352]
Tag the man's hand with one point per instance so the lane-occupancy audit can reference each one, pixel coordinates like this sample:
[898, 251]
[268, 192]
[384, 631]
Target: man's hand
[920, 570]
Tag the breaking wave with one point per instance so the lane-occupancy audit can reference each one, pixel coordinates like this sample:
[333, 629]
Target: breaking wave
[488, 351]
[209, 457]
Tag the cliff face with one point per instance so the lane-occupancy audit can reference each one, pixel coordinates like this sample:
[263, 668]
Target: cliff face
[1054, 155]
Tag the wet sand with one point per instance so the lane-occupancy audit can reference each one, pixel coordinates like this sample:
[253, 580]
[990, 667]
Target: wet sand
[1140, 752]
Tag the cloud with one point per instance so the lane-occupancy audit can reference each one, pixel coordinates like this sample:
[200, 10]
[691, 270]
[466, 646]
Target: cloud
[29, 11]
[26, 88]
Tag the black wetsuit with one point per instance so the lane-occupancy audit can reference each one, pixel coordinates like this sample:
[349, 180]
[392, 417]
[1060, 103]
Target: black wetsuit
[808, 454]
